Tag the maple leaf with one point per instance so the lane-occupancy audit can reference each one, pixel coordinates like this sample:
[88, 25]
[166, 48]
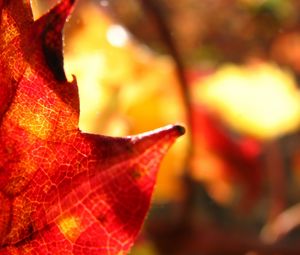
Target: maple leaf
[63, 191]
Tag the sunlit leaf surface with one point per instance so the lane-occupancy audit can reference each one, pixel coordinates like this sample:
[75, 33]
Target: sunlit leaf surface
[63, 191]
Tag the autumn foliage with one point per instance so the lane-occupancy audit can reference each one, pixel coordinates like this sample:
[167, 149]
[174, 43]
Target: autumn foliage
[82, 83]
[63, 191]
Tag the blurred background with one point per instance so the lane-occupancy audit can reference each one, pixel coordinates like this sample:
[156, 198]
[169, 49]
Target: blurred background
[229, 71]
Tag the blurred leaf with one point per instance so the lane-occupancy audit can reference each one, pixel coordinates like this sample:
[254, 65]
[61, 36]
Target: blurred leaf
[259, 100]
[223, 162]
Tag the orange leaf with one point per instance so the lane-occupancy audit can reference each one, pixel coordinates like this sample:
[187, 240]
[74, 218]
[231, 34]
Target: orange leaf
[63, 191]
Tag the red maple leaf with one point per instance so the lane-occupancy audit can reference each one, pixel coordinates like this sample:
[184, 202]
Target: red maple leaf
[63, 191]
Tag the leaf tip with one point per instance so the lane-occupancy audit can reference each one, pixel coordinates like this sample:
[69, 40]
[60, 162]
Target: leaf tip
[50, 27]
[179, 129]
[174, 130]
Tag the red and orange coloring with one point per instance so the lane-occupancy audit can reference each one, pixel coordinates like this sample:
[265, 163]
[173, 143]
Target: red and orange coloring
[63, 191]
